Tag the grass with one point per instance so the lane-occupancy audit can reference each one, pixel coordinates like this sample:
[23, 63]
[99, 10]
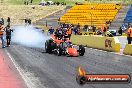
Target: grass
[68, 2]
[21, 2]
[19, 12]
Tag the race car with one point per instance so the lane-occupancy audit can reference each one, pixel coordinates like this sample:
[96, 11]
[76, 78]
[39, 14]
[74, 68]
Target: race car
[63, 47]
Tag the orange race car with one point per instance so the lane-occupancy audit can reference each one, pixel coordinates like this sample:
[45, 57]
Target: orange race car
[63, 46]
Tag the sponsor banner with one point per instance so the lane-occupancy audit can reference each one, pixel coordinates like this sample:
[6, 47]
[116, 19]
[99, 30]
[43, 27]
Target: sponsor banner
[108, 78]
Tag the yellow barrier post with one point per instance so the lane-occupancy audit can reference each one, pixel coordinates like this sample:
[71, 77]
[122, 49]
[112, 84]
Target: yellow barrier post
[128, 49]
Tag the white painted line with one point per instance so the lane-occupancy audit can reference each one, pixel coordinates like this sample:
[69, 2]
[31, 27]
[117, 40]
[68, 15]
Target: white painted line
[28, 78]
[120, 53]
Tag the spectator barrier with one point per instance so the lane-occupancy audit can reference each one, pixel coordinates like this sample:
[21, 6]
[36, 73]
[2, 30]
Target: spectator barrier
[98, 42]
[124, 34]
[128, 49]
[87, 33]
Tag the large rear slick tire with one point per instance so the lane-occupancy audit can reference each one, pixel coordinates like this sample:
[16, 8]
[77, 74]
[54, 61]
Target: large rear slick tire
[49, 46]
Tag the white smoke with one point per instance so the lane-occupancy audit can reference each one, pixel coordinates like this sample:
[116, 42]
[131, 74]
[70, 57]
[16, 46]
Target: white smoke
[29, 36]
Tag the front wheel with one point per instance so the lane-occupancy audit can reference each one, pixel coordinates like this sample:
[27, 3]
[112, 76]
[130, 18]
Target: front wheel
[81, 50]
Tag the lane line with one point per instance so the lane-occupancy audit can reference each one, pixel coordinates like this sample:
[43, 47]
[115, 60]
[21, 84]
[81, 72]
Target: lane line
[115, 53]
[27, 81]
[8, 78]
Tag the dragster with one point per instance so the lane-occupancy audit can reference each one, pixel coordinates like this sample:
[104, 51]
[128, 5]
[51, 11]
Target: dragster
[63, 46]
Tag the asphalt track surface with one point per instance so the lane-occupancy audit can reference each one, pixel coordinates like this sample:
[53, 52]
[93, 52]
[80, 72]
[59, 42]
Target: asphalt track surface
[60, 71]
[9, 76]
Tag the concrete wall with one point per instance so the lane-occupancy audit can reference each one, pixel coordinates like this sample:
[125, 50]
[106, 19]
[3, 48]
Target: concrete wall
[98, 42]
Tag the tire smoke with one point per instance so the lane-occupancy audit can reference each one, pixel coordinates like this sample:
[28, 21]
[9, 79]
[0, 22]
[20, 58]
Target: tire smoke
[29, 36]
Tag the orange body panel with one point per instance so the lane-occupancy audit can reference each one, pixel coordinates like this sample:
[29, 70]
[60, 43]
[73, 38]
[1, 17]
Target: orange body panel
[57, 41]
[72, 51]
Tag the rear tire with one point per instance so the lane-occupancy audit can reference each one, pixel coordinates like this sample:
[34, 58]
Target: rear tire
[49, 46]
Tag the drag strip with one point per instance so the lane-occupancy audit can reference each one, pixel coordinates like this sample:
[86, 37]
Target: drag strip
[60, 72]
[9, 76]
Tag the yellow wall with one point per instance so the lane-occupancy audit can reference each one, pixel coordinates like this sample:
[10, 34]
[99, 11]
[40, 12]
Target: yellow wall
[88, 33]
[128, 49]
[98, 42]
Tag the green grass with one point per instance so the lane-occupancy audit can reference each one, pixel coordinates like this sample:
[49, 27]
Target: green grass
[69, 2]
[21, 2]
